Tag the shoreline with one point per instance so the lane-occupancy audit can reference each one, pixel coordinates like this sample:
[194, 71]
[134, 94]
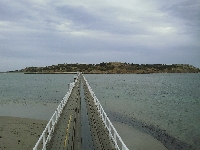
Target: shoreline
[161, 135]
[23, 133]
[24, 113]
[20, 126]
[50, 72]
[98, 73]
[137, 140]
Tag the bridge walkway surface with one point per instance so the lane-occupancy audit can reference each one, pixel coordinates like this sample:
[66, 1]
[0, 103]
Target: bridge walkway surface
[80, 123]
[67, 134]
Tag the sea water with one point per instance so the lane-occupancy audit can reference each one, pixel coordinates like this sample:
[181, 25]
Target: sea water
[32, 95]
[170, 102]
[49, 88]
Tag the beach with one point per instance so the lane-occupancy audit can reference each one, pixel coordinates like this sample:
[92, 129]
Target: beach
[29, 120]
[155, 111]
[21, 125]
[19, 133]
[23, 133]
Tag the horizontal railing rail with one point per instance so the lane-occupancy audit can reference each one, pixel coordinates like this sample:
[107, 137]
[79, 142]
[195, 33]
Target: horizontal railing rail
[118, 142]
[48, 131]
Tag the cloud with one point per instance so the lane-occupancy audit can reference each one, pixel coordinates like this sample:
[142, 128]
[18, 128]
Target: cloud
[49, 32]
[77, 14]
[188, 12]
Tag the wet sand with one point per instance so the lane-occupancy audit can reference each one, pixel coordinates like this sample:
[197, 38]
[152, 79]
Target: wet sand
[137, 140]
[19, 133]
[156, 133]
[40, 111]
[23, 133]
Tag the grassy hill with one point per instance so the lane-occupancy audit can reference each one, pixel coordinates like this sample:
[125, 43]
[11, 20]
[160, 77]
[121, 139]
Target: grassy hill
[113, 68]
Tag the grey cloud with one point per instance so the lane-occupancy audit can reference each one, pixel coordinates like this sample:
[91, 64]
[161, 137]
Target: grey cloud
[45, 34]
[12, 11]
[189, 12]
[101, 20]
[77, 14]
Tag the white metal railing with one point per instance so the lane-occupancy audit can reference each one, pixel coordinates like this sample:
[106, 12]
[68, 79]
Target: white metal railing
[112, 131]
[47, 133]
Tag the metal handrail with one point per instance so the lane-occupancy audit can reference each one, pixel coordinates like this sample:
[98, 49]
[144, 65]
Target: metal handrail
[112, 131]
[48, 131]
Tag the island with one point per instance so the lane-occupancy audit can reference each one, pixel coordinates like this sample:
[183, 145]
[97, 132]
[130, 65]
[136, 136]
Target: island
[110, 68]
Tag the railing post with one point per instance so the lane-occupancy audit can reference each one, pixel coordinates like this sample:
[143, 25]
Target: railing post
[123, 147]
[104, 117]
[49, 128]
[53, 123]
[35, 148]
[56, 115]
[109, 128]
[115, 135]
[54, 119]
[43, 139]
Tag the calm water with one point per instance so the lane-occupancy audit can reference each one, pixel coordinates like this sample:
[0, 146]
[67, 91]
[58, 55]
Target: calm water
[32, 96]
[20, 87]
[170, 102]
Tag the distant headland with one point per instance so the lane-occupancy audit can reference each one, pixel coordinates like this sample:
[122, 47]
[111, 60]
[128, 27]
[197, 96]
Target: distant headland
[110, 68]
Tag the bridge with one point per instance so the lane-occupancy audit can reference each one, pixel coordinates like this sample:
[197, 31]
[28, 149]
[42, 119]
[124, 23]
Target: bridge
[80, 123]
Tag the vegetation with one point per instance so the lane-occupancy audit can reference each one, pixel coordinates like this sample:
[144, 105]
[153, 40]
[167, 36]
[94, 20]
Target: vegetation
[112, 68]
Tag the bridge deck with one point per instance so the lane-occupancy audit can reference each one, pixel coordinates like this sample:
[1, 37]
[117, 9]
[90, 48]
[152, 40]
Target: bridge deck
[68, 134]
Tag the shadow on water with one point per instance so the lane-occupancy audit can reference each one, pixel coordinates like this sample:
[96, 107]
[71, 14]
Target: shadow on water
[161, 135]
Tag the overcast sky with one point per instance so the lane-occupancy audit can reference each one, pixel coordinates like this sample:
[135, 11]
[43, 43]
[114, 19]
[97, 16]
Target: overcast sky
[48, 32]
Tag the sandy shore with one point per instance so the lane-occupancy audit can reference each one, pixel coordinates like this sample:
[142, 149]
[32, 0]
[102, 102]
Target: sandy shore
[23, 133]
[19, 133]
